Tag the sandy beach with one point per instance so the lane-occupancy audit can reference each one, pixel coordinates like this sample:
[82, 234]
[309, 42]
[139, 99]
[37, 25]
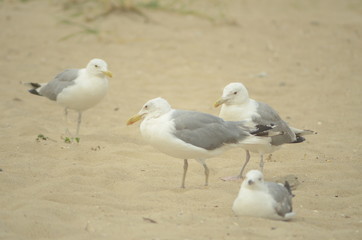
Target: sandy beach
[301, 57]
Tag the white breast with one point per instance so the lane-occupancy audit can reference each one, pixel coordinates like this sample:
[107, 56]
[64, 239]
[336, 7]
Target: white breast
[85, 93]
[254, 203]
[238, 112]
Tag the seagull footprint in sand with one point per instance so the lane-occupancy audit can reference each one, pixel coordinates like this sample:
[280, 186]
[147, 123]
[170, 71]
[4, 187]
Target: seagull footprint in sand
[77, 89]
[237, 106]
[189, 134]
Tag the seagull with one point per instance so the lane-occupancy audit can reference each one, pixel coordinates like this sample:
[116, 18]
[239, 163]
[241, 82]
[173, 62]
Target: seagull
[263, 199]
[76, 89]
[193, 135]
[237, 106]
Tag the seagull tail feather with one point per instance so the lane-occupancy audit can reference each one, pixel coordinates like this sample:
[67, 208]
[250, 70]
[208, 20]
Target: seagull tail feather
[289, 216]
[302, 132]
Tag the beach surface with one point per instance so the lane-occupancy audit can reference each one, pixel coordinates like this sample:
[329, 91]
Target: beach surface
[301, 57]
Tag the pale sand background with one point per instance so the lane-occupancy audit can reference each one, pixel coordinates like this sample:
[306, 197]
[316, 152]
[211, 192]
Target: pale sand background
[302, 57]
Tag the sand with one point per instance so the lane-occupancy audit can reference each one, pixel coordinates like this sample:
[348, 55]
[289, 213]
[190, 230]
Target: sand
[301, 57]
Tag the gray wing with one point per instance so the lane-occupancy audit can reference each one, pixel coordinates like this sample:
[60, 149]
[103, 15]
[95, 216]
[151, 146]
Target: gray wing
[282, 196]
[269, 115]
[61, 81]
[207, 131]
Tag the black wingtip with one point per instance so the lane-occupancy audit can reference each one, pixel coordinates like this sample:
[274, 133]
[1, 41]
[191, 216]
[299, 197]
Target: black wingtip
[299, 139]
[260, 129]
[287, 186]
[35, 85]
[33, 91]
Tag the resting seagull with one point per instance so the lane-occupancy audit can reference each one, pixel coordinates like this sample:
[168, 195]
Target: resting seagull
[189, 134]
[237, 106]
[77, 89]
[263, 199]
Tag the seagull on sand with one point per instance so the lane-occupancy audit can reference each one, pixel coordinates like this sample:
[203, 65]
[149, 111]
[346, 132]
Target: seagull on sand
[193, 135]
[77, 89]
[237, 106]
[263, 199]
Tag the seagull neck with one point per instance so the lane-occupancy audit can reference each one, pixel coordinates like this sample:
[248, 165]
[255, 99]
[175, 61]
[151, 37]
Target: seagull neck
[245, 103]
[91, 73]
[255, 187]
[157, 114]
[241, 105]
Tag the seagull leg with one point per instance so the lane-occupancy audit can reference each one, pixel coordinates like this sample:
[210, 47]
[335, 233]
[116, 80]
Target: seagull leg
[202, 161]
[261, 164]
[240, 176]
[186, 165]
[247, 158]
[67, 132]
[79, 122]
[206, 175]
[66, 114]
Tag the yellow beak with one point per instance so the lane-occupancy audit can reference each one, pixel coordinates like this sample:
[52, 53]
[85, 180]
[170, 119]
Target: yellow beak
[107, 73]
[134, 119]
[219, 102]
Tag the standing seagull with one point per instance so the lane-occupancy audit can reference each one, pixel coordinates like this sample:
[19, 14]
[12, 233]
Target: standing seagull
[263, 199]
[77, 89]
[237, 106]
[188, 134]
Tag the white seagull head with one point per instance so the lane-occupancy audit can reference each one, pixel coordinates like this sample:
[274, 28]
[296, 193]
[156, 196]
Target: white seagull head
[152, 109]
[98, 67]
[233, 94]
[254, 180]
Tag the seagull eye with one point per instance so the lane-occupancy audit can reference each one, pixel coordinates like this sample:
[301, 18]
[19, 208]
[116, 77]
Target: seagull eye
[146, 107]
[96, 66]
[235, 93]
